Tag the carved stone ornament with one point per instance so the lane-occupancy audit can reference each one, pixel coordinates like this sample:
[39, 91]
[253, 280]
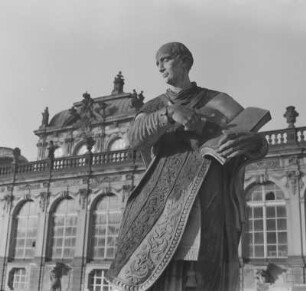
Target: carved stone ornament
[27, 196]
[127, 189]
[44, 200]
[262, 178]
[259, 178]
[65, 194]
[83, 194]
[29, 187]
[8, 200]
[294, 180]
[97, 182]
[293, 161]
[88, 112]
[129, 176]
[46, 184]
[268, 163]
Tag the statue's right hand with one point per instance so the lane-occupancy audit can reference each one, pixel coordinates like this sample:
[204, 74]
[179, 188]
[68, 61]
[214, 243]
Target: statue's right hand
[186, 117]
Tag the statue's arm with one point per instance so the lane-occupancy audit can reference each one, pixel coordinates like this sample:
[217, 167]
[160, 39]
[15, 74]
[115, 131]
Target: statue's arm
[147, 128]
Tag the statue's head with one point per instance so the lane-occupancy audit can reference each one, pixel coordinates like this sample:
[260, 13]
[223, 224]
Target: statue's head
[176, 50]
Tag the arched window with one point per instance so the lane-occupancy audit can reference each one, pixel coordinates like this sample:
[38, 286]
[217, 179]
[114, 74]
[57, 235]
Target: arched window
[25, 226]
[82, 150]
[117, 145]
[58, 153]
[97, 281]
[64, 229]
[18, 279]
[106, 220]
[266, 236]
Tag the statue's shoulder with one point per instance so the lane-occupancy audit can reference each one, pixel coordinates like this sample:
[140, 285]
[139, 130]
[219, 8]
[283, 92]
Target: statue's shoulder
[154, 104]
[211, 94]
[222, 105]
[205, 97]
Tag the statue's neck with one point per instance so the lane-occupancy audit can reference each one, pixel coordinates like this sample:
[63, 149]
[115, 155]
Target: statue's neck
[177, 88]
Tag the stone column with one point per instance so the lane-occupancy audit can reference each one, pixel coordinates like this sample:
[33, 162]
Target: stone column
[79, 262]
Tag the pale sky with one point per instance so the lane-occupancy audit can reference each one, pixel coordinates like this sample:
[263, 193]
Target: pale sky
[51, 52]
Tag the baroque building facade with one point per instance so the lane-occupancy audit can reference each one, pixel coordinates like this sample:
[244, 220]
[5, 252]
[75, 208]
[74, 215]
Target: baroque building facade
[60, 215]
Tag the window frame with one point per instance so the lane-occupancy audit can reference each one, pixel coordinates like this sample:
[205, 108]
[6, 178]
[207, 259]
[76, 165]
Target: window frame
[16, 223]
[249, 242]
[92, 277]
[11, 279]
[115, 140]
[94, 237]
[71, 249]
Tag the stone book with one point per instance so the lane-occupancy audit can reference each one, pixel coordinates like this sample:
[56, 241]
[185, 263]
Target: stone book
[250, 119]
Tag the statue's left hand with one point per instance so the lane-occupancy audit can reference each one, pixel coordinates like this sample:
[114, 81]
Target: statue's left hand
[233, 144]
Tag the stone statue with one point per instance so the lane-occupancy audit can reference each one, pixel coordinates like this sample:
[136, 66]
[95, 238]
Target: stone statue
[118, 84]
[51, 150]
[16, 154]
[55, 280]
[45, 117]
[56, 276]
[291, 115]
[137, 100]
[182, 223]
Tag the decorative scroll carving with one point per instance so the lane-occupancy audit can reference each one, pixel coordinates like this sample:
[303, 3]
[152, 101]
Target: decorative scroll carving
[97, 181]
[264, 164]
[28, 186]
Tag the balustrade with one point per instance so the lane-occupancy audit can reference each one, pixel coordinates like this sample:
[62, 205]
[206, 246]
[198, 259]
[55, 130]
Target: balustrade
[98, 159]
[114, 157]
[286, 136]
[275, 138]
[4, 171]
[33, 167]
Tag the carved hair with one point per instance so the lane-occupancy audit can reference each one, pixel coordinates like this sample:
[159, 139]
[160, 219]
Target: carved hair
[177, 49]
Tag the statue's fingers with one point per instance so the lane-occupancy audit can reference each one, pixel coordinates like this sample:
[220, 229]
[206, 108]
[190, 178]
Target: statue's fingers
[236, 146]
[226, 136]
[228, 145]
[238, 152]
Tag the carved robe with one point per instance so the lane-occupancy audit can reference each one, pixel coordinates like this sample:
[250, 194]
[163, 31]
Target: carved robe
[182, 223]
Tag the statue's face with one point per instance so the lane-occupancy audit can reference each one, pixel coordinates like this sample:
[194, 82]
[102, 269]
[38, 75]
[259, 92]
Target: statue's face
[172, 68]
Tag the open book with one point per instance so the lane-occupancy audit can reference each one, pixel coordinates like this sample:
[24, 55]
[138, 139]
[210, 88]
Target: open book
[250, 119]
